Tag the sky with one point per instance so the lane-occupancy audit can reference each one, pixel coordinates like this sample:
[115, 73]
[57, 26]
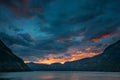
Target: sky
[59, 31]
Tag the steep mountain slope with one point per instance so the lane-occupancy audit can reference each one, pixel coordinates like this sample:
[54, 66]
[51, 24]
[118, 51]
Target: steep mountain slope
[9, 62]
[109, 60]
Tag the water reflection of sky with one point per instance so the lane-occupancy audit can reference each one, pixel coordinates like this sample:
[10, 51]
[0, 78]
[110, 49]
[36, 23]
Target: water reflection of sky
[60, 75]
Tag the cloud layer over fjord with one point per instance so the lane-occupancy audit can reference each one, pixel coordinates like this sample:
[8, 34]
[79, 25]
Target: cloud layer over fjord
[37, 28]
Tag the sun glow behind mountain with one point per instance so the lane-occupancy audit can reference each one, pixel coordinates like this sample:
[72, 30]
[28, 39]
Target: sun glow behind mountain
[62, 58]
[58, 31]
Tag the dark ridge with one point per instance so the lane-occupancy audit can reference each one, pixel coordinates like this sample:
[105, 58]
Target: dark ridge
[10, 62]
[108, 61]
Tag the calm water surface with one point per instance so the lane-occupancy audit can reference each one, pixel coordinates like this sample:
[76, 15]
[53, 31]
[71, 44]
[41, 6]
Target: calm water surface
[60, 75]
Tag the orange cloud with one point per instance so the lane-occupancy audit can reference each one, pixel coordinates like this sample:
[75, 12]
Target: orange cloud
[71, 55]
[62, 58]
[102, 37]
[70, 37]
[27, 61]
[87, 49]
[63, 39]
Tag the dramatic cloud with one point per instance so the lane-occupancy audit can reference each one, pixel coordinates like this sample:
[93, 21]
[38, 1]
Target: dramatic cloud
[97, 39]
[44, 30]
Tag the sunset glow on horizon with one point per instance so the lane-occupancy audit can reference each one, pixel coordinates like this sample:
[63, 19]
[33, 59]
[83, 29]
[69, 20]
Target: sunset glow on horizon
[72, 54]
[58, 31]
[62, 58]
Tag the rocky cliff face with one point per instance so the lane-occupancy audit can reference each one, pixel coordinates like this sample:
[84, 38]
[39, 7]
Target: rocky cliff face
[10, 62]
[109, 60]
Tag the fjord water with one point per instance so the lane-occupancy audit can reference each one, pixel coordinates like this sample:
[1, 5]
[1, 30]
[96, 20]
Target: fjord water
[60, 75]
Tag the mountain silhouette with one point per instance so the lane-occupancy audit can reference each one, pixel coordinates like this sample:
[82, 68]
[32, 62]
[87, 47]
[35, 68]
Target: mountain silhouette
[106, 61]
[10, 62]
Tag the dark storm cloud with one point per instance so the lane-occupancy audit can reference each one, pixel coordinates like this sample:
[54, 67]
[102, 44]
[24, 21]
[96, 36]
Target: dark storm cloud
[27, 37]
[52, 26]
[11, 40]
[26, 8]
[107, 23]
[99, 18]
[14, 28]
